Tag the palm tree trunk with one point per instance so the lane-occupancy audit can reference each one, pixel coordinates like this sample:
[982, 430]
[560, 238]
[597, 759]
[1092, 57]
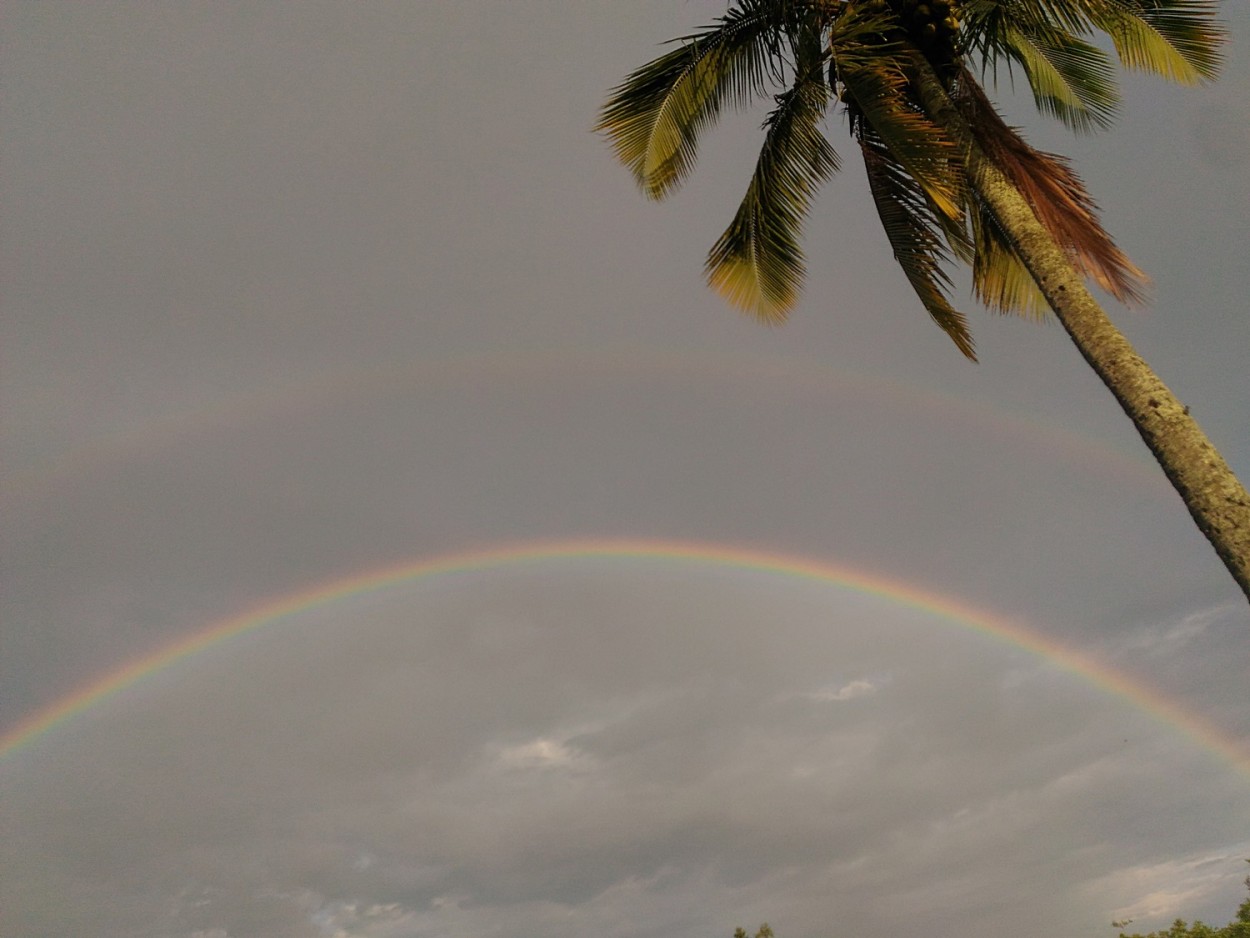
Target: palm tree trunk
[1214, 496]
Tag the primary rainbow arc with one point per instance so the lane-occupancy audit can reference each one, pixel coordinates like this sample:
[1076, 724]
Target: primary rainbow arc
[944, 608]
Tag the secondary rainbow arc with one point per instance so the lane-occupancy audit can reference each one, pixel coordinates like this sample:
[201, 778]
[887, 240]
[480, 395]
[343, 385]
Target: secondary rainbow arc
[606, 362]
[944, 608]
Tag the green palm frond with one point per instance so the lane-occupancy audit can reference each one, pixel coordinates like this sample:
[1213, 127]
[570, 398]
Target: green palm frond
[655, 116]
[986, 20]
[757, 264]
[914, 229]
[1177, 39]
[1071, 79]
[878, 91]
[919, 117]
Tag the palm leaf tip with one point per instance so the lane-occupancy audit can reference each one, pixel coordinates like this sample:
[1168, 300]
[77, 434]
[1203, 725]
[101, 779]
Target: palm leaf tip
[757, 264]
[654, 118]
[1180, 40]
[739, 280]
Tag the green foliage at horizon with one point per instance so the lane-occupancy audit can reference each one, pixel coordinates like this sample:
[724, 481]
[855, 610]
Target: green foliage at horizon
[1237, 928]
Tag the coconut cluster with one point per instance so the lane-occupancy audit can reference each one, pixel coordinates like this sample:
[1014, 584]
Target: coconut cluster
[932, 25]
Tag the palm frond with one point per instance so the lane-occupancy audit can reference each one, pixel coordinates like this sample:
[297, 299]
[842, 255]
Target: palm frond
[913, 227]
[1055, 193]
[1071, 16]
[1176, 39]
[986, 22]
[877, 91]
[757, 264]
[655, 116]
[1071, 79]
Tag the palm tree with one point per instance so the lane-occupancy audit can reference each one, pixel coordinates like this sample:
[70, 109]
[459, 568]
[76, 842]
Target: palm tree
[950, 179]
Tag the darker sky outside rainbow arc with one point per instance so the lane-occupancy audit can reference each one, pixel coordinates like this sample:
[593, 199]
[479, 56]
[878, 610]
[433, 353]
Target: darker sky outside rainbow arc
[944, 609]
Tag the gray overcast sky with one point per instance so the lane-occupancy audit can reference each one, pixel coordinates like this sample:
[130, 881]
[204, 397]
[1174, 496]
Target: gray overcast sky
[296, 291]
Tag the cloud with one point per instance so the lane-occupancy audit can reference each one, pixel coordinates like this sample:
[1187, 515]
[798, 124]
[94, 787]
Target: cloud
[1155, 894]
[537, 754]
[848, 691]
[636, 779]
[1168, 637]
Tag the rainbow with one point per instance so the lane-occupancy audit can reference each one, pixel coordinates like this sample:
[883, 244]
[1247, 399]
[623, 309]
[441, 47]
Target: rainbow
[531, 553]
[117, 445]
